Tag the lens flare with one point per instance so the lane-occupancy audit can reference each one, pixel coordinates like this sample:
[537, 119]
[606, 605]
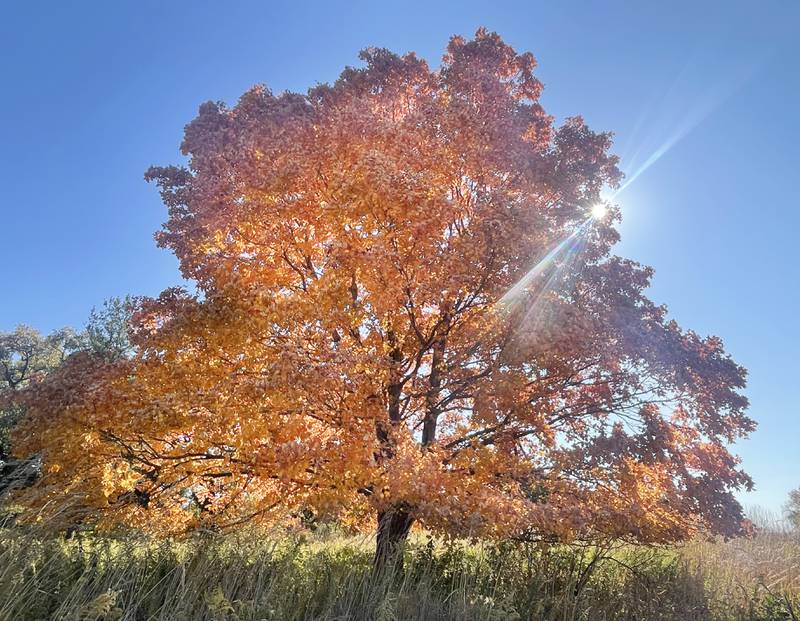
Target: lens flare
[566, 247]
[599, 211]
[682, 109]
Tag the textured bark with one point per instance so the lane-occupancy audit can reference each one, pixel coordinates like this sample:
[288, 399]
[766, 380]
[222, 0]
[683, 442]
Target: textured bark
[393, 527]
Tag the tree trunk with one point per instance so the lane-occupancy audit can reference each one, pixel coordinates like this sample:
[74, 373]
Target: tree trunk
[394, 522]
[393, 527]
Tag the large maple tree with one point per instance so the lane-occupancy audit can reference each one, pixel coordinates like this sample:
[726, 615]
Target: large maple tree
[357, 347]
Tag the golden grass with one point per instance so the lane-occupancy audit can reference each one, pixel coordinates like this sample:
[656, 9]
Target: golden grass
[253, 575]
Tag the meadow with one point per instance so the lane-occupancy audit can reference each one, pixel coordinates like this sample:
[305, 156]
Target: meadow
[327, 575]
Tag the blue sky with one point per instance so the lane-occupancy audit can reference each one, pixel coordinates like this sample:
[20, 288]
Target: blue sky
[94, 93]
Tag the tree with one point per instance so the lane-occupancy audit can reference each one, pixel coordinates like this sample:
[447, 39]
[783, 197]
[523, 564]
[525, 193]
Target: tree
[358, 347]
[27, 357]
[792, 508]
[106, 331]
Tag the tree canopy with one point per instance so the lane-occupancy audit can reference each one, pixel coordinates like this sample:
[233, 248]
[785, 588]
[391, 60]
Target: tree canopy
[357, 346]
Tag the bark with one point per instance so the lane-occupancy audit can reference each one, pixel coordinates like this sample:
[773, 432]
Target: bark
[435, 382]
[393, 527]
[394, 522]
[394, 390]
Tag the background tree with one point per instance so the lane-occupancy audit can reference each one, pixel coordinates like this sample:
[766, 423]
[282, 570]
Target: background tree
[27, 357]
[792, 508]
[107, 329]
[370, 341]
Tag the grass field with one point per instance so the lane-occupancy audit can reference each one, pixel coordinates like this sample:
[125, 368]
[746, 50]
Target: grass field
[253, 575]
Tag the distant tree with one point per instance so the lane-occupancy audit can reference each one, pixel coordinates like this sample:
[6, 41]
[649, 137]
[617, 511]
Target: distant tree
[27, 357]
[370, 342]
[107, 330]
[792, 508]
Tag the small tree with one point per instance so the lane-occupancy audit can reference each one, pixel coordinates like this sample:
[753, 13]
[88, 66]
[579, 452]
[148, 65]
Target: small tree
[792, 508]
[371, 343]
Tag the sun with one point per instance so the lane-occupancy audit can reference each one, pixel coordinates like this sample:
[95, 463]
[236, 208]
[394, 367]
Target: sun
[599, 211]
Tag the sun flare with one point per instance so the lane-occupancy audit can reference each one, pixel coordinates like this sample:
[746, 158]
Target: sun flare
[599, 211]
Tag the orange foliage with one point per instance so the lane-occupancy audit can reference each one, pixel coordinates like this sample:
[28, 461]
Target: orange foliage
[347, 355]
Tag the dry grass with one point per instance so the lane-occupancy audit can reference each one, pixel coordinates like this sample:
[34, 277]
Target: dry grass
[253, 576]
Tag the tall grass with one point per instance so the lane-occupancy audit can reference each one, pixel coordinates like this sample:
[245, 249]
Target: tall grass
[253, 575]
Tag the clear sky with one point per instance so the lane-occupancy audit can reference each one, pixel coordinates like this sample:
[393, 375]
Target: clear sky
[95, 92]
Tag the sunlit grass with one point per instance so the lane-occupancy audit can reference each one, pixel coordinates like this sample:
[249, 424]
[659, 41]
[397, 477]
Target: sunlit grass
[255, 575]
